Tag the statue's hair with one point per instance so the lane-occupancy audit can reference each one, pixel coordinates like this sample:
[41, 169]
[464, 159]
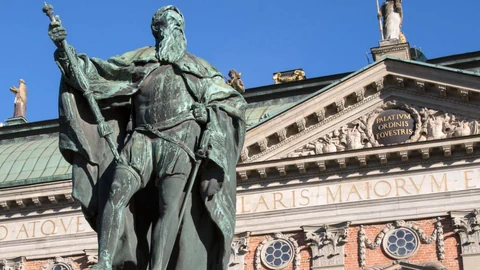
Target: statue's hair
[160, 12]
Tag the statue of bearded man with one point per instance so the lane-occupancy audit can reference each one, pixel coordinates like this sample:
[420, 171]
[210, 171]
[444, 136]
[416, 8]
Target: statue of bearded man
[392, 14]
[158, 101]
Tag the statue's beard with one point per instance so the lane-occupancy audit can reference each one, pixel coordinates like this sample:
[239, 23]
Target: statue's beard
[172, 47]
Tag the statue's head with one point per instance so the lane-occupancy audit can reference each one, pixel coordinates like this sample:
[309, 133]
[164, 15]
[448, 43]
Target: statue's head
[21, 81]
[233, 73]
[168, 29]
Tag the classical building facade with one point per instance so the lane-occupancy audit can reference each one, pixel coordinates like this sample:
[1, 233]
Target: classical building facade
[375, 169]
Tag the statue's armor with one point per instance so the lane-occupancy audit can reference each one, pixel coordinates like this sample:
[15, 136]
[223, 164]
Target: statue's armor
[162, 96]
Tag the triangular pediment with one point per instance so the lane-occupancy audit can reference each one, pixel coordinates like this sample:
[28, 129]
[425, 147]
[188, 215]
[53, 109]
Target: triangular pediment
[389, 102]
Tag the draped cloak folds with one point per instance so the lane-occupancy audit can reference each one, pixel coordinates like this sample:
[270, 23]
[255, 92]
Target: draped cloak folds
[113, 82]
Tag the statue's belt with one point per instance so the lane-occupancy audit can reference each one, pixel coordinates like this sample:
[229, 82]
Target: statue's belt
[156, 129]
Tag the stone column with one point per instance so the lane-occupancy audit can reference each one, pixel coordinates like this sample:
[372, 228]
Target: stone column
[466, 225]
[239, 249]
[327, 243]
[13, 264]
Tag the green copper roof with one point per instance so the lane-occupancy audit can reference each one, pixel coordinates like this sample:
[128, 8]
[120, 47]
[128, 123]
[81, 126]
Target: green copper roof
[257, 114]
[31, 162]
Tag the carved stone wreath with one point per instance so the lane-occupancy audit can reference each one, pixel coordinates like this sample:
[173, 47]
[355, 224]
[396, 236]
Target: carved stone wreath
[389, 106]
[60, 263]
[261, 249]
[437, 236]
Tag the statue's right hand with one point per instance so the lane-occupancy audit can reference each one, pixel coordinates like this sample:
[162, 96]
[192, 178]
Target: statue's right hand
[57, 32]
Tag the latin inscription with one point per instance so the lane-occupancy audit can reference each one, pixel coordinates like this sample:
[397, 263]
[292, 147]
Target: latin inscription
[393, 126]
[410, 185]
[43, 228]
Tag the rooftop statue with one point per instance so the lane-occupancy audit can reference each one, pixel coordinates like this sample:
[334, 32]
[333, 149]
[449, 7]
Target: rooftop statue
[235, 81]
[392, 13]
[154, 136]
[20, 102]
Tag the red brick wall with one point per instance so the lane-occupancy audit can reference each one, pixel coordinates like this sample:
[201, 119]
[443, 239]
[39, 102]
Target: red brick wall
[376, 257]
[426, 252]
[80, 263]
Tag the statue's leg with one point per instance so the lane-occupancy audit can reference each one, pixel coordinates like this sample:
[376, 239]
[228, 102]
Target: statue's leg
[171, 188]
[124, 186]
[127, 180]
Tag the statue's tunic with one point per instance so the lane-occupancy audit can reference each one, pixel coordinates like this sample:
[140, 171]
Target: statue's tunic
[129, 83]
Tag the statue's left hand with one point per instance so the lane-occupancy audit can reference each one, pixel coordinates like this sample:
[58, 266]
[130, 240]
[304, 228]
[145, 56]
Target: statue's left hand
[210, 187]
[200, 113]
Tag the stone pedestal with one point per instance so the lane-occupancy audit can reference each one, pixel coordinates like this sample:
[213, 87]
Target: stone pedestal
[391, 48]
[16, 121]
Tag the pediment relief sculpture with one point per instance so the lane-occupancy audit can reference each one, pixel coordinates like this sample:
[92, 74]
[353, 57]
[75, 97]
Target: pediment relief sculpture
[392, 123]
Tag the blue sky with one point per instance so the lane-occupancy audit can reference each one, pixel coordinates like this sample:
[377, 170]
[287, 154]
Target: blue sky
[256, 37]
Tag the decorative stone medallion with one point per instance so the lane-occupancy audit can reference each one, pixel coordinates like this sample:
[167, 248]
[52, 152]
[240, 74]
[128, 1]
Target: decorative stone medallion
[393, 126]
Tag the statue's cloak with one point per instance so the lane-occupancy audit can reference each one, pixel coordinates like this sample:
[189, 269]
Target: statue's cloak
[113, 82]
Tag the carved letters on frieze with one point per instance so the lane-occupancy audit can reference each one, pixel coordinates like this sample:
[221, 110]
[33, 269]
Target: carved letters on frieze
[428, 125]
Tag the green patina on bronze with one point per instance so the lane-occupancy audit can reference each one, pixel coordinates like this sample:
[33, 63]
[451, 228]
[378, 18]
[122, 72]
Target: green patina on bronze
[158, 101]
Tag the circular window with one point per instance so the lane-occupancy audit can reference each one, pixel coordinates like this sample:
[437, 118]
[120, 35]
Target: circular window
[401, 243]
[277, 254]
[60, 266]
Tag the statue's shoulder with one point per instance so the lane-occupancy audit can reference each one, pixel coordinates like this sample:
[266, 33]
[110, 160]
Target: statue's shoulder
[197, 66]
[144, 54]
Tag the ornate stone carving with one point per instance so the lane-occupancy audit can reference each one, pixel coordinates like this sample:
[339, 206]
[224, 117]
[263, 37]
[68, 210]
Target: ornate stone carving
[327, 244]
[268, 239]
[281, 170]
[262, 172]
[239, 249]
[66, 263]
[52, 199]
[467, 226]
[320, 115]
[442, 89]
[296, 75]
[379, 84]
[463, 94]
[243, 175]
[282, 134]
[400, 81]
[5, 205]
[429, 125]
[244, 154]
[360, 94]
[301, 124]
[20, 203]
[263, 144]
[439, 125]
[340, 105]
[349, 137]
[301, 167]
[13, 264]
[435, 237]
[420, 86]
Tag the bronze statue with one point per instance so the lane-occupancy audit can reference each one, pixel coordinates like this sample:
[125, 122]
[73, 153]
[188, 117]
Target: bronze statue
[168, 200]
[20, 103]
[235, 81]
